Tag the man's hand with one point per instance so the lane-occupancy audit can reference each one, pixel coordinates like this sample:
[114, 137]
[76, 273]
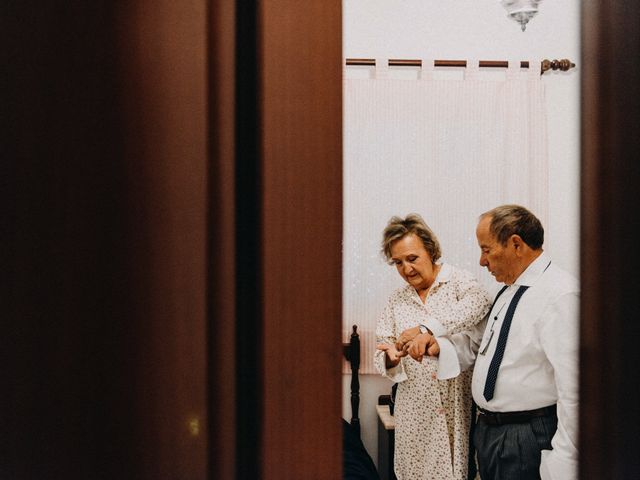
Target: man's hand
[392, 355]
[406, 336]
[421, 345]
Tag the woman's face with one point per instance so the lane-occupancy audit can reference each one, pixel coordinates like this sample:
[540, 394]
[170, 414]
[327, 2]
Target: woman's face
[413, 261]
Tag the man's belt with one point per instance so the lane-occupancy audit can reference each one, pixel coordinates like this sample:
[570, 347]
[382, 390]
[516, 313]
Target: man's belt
[503, 418]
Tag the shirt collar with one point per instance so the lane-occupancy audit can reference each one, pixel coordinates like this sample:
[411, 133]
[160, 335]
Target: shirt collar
[534, 271]
[444, 275]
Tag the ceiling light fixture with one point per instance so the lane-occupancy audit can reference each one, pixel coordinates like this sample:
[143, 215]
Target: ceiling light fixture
[521, 10]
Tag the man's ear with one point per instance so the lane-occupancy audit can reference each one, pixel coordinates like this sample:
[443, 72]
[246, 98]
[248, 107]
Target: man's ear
[517, 243]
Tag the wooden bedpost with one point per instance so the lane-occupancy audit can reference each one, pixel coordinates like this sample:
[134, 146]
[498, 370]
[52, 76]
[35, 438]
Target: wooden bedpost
[352, 354]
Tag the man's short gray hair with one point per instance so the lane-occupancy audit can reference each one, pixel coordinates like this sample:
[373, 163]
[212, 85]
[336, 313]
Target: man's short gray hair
[507, 220]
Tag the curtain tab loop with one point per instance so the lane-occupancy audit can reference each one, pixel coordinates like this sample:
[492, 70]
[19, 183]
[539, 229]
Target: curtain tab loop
[535, 69]
[473, 69]
[428, 66]
[513, 69]
[382, 68]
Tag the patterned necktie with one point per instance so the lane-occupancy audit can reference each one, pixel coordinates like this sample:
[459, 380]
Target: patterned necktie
[492, 374]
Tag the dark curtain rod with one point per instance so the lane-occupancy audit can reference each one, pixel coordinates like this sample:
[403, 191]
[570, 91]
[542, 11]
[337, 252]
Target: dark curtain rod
[545, 65]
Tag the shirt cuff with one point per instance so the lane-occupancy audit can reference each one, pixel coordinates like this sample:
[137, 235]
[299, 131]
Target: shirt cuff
[555, 467]
[448, 365]
[435, 326]
[396, 374]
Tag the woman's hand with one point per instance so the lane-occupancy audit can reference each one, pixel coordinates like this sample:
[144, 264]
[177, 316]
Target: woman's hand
[421, 345]
[405, 337]
[392, 355]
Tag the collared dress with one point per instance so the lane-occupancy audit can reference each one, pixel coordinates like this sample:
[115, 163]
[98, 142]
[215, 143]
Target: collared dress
[432, 416]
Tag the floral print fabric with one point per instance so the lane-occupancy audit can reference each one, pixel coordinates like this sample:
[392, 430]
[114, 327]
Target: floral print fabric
[432, 416]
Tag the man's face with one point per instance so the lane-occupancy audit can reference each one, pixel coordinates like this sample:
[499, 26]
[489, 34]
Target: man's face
[500, 260]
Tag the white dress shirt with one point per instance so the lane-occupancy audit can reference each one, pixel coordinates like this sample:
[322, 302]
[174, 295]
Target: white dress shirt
[540, 364]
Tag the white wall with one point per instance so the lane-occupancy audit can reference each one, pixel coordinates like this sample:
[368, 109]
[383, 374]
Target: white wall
[480, 30]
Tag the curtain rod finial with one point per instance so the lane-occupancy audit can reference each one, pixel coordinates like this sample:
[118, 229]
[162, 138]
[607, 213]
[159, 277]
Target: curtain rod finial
[563, 65]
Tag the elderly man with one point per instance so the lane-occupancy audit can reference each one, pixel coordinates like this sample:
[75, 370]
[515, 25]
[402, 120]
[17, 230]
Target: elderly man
[525, 380]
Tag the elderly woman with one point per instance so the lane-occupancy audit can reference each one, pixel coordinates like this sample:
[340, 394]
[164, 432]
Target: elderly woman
[432, 416]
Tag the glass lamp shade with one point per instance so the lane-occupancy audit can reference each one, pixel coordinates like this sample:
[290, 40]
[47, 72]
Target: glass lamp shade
[521, 10]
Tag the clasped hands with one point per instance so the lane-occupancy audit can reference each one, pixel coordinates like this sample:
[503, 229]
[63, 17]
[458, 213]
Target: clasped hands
[410, 342]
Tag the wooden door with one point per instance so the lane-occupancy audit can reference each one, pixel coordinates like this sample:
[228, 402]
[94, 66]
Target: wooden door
[172, 241]
[105, 240]
[278, 213]
[610, 258]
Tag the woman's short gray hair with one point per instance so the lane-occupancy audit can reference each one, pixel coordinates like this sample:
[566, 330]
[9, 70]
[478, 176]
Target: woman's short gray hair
[398, 228]
[507, 220]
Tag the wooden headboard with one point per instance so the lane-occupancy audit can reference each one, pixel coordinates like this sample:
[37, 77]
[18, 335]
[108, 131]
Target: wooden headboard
[351, 352]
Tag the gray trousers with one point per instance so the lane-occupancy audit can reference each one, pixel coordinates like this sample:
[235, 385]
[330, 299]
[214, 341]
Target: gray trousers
[512, 451]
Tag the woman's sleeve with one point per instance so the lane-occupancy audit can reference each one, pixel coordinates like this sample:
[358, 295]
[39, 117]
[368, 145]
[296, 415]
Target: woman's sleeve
[386, 333]
[473, 303]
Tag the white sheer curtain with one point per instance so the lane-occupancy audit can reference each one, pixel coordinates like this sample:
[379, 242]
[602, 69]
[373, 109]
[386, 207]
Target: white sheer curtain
[446, 148]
